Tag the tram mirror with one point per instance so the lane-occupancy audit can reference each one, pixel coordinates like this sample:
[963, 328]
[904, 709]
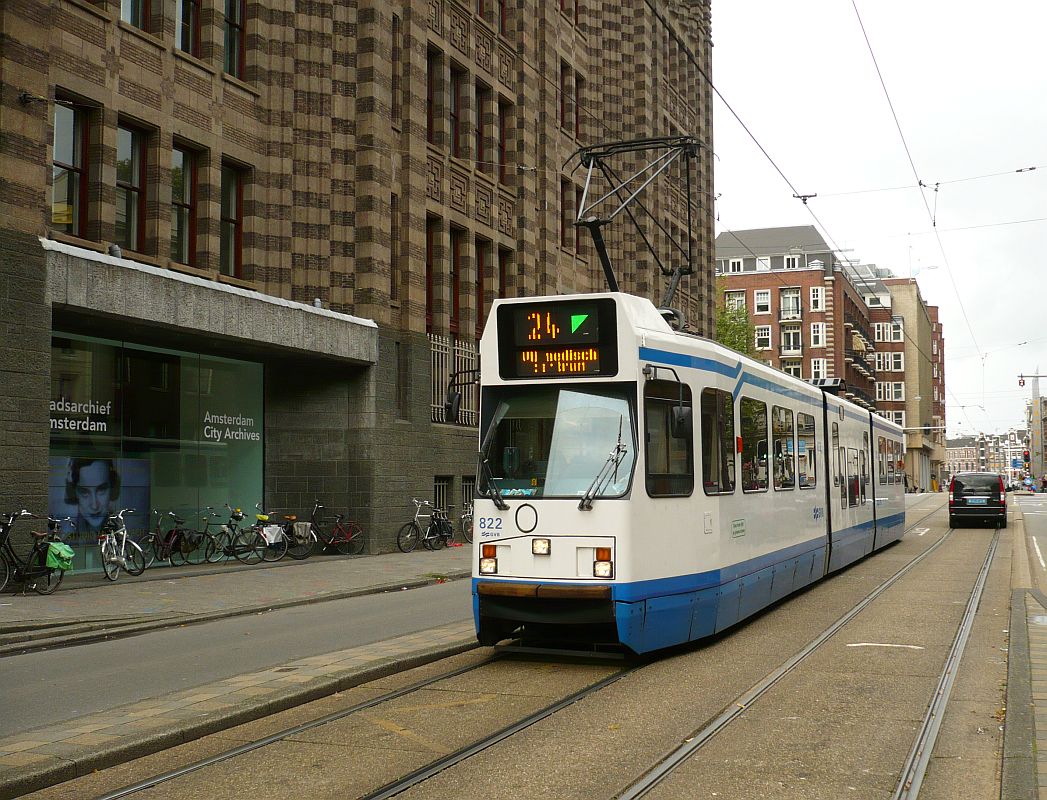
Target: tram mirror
[680, 425]
[452, 405]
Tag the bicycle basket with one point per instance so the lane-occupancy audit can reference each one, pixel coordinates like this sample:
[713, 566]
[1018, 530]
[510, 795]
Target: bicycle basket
[59, 556]
[301, 532]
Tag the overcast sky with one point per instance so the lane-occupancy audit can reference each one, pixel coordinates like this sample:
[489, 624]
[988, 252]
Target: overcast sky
[968, 82]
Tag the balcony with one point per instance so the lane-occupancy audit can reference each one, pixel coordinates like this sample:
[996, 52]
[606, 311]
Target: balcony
[789, 314]
[857, 360]
[789, 349]
[861, 398]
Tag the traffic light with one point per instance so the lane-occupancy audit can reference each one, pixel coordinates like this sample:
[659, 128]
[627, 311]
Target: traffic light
[1025, 455]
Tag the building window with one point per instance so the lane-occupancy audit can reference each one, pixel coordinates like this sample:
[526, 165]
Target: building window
[792, 262]
[817, 293]
[721, 267]
[505, 260]
[817, 334]
[396, 101]
[69, 171]
[432, 69]
[791, 338]
[763, 337]
[763, 263]
[564, 89]
[483, 103]
[566, 195]
[734, 300]
[457, 133]
[818, 368]
[187, 20]
[232, 226]
[879, 332]
[395, 276]
[504, 111]
[789, 303]
[135, 12]
[483, 260]
[457, 265]
[762, 301]
[897, 390]
[130, 188]
[503, 17]
[432, 230]
[235, 16]
[897, 330]
[793, 366]
[735, 265]
[183, 206]
[898, 362]
[579, 90]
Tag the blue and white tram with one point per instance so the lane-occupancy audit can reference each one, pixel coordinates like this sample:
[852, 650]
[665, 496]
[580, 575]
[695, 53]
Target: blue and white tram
[645, 487]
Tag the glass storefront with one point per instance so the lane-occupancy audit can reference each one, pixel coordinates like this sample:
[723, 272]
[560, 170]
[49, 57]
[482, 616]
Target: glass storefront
[149, 429]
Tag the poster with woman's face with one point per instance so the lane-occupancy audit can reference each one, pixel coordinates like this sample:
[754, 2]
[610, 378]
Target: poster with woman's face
[87, 490]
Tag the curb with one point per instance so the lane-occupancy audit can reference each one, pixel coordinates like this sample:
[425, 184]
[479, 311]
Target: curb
[18, 781]
[27, 642]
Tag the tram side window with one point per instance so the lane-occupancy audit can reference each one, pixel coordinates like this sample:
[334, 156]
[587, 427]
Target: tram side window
[842, 452]
[899, 470]
[852, 476]
[784, 448]
[864, 467]
[836, 454]
[754, 445]
[717, 442]
[890, 462]
[881, 461]
[806, 452]
[670, 459]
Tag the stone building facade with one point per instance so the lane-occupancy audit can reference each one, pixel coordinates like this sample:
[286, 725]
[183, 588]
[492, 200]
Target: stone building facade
[316, 204]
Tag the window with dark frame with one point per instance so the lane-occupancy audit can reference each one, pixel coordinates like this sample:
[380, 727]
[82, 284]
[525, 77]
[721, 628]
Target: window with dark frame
[503, 17]
[807, 451]
[187, 22]
[232, 222]
[235, 17]
[455, 112]
[566, 195]
[395, 275]
[432, 68]
[504, 111]
[670, 459]
[784, 454]
[718, 443]
[505, 258]
[483, 103]
[130, 188]
[836, 454]
[483, 259]
[432, 229]
[457, 264]
[579, 89]
[135, 12]
[183, 205]
[69, 170]
[753, 417]
[564, 70]
[396, 102]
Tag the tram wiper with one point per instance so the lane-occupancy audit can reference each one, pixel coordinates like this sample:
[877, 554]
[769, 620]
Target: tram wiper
[485, 467]
[607, 471]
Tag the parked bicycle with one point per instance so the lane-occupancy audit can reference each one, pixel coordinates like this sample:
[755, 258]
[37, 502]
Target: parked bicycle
[440, 532]
[246, 545]
[465, 523]
[345, 537]
[410, 534]
[117, 550]
[158, 544]
[33, 571]
[275, 535]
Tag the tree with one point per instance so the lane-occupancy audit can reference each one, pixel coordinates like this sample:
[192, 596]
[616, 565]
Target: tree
[733, 326]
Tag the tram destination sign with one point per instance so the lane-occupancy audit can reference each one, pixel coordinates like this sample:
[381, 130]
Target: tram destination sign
[557, 339]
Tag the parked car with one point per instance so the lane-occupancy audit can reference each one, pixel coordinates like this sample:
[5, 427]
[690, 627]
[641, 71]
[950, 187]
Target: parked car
[977, 496]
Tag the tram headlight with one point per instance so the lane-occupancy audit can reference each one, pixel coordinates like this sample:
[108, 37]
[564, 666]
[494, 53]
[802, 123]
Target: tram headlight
[488, 559]
[540, 547]
[603, 567]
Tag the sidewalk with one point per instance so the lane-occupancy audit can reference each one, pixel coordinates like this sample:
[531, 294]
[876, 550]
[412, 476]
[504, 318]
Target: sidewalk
[87, 607]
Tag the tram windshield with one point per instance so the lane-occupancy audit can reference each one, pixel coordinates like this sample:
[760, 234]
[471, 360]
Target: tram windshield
[553, 441]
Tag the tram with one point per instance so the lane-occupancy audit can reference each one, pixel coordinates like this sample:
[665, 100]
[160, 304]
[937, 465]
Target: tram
[643, 487]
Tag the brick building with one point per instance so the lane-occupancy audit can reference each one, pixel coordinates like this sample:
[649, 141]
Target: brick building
[810, 317]
[243, 244]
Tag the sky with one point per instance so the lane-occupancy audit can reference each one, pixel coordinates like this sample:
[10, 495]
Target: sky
[968, 85]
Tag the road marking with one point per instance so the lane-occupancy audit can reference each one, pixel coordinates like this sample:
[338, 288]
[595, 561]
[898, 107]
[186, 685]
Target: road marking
[920, 531]
[884, 644]
[1039, 555]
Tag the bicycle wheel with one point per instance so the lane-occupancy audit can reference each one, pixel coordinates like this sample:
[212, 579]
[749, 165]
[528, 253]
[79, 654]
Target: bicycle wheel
[149, 549]
[109, 564]
[408, 537]
[5, 572]
[222, 542]
[248, 546]
[276, 550]
[197, 544]
[434, 539]
[466, 525]
[134, 558]
[47, 582]
[353, 543]
[179, 549]
[299, 550]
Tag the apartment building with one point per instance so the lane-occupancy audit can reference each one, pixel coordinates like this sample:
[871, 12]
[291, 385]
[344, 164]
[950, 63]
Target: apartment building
[810, 319]
[246, 244]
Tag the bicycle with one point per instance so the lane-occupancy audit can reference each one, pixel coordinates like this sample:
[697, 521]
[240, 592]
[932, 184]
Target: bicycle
[246, 545]
[157, 545]
[275, 536]
[116, 550]
[346, 538]
[33, 572]
[465, 523]
[410, 534]
[440, 531]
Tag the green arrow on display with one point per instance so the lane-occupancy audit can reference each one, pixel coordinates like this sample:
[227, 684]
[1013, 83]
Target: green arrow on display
[577, 320]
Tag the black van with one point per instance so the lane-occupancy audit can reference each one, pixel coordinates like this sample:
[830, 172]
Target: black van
[977, 496]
